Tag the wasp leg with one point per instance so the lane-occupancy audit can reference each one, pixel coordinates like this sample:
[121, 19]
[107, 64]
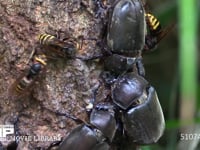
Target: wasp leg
[150, 42]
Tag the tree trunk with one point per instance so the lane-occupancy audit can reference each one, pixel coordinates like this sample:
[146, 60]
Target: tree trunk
[64, 86]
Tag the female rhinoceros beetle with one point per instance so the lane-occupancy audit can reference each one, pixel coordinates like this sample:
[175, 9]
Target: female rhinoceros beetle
[125, 37]
[142, 115]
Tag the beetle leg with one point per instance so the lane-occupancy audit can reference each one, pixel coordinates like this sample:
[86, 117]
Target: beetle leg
[101, 9]
[95, 89]
[77, 120]
[140, 67]
[89, 58]
[107, 77]
[105, 106]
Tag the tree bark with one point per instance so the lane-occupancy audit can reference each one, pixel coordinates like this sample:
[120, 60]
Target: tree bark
[65, 85]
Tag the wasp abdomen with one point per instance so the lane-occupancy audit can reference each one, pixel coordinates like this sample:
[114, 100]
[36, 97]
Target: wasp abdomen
[46, 39]
[153, 23]
[22, 85]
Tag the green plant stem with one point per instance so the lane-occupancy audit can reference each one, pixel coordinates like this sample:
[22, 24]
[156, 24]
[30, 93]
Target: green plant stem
[188, 57]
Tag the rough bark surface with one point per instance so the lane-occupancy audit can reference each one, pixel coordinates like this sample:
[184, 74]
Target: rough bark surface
[65, 85]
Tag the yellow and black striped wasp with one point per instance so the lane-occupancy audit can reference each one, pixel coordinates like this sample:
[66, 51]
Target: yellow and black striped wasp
[60, 48]
[155, 32]
[23, 85]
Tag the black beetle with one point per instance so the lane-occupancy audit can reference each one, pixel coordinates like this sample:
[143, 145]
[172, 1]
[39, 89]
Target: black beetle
[125, 36]
[93, 136]
[142, 115]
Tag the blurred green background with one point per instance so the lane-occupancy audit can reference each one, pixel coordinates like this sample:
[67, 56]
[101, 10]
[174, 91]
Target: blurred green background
[173, 69]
